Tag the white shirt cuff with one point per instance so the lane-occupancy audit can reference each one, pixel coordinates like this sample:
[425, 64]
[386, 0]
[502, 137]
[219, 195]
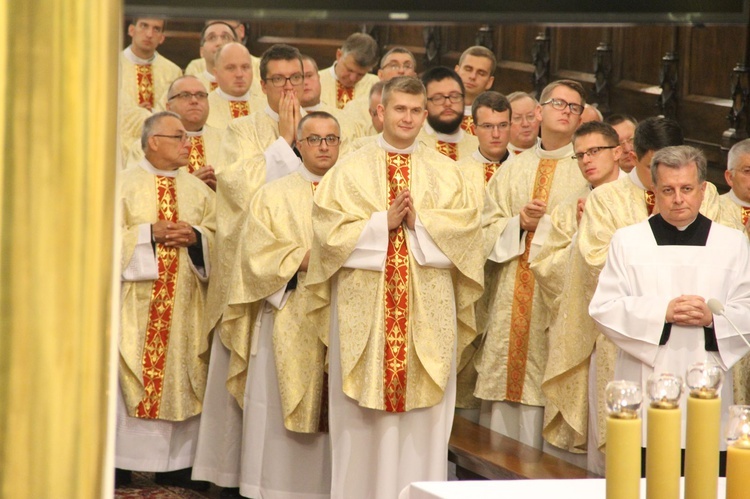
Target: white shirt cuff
[372, 246]
[142, 265]
[511, 243]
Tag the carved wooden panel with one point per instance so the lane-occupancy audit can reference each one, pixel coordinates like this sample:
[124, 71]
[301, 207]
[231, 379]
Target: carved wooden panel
[712, 52]
[638, 52]
[573, 49]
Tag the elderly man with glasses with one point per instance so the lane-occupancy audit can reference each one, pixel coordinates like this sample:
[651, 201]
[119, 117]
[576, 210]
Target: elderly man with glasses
[168, 229]
[525, 122]
[512, 358]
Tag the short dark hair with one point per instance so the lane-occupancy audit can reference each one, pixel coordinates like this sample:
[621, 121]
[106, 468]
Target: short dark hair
[440, 73]
[571, 84]
[603, 129]
[656, 133]
[208, 25]
[310, 58]
[493, 100]
[319, 115]
[617, 118]
[363, 48]
[278, 52]
[480, 51]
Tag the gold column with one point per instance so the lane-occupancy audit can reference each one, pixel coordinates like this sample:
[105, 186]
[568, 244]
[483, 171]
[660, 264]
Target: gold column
[58, 84]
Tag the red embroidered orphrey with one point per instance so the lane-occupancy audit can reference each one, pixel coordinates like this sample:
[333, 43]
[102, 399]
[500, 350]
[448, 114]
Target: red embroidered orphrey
[197, 157]
[155, 347]
[396, 293]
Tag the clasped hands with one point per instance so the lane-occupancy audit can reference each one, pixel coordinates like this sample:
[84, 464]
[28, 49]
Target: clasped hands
[689, 310]
[173, 234]
[402, 210]
[531, 213]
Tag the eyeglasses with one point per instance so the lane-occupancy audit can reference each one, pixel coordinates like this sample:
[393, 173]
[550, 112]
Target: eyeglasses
[560, 104]
[591, 153]
[517, 119]
[489, 127]
[183, 137]
[280, 81]
[189, 95]
[224, 37]
[745, 172]
[394, 66]
[316, 140]
[439, 99]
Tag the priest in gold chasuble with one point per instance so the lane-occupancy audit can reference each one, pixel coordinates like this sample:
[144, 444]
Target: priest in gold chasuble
[349, 77]
[491, 112]
[512, 358]
[168, 228]
[285, 444]
[397, 259]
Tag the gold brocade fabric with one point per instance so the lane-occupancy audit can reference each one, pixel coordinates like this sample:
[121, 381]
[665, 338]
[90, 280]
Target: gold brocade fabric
[184, 373]
[745, 214]
[145, 82]
[448, 149]
[467, 124]
[239, 108]
[489, 171]
[463, 149]
[243, 173]
[162, 306]
[396, 293]
[609, 207]
[278, 236]
[328, 88]
[343, 95]
[344, 202]
[197, 156]
[213, 85]
[512, 358]
[520, 319]
[650, 201]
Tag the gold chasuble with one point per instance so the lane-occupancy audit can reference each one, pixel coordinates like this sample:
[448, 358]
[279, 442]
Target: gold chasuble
[161, 373]
[279, 234]
[467, 125]
[397, 327]
[609, 207]
[239, 108]
[344, 95]
[449, 149]
[512, 358]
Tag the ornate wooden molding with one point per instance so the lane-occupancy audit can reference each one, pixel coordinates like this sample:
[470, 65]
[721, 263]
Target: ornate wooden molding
[540, 56]
[603, 76]
[432, 42]
[485, 37]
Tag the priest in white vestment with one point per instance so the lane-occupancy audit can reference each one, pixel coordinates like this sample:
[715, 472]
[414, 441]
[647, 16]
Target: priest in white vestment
[168, 226]
[395, 256]
[651, 300]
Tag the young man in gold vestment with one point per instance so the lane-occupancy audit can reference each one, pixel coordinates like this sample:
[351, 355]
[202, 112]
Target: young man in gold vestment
[394, 264]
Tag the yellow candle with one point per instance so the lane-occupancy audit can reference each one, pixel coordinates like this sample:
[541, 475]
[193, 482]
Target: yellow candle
[663, 452]
[738, 474]
[702, 447]
[623, 453]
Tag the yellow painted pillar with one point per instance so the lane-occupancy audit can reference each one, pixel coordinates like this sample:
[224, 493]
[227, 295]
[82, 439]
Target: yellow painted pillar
[58, 85]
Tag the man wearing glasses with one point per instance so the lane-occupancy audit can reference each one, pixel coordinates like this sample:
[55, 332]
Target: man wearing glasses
[625, 125]
[349, 77]
[168, 231]
[525, 122]
[476, 67]
[445, 112]
[188, 98]
[215, 35]
[390, 265]
[285, 444]
[234, 75]
[398, 61]
[514, 353]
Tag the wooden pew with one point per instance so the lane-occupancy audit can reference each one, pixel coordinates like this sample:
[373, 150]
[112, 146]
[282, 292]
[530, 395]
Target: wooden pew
[479, 452]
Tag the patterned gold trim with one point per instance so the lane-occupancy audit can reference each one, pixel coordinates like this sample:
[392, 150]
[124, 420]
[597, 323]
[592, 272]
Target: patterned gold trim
[239, 108]
[197, 157]
[448, 149]
[343, 95]
[467, 125]
[145, 81]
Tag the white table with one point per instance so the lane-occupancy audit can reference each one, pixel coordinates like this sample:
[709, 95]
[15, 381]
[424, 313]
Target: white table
[593, 488]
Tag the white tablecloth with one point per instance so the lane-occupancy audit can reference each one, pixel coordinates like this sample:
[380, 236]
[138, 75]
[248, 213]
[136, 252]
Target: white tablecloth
[593, 488]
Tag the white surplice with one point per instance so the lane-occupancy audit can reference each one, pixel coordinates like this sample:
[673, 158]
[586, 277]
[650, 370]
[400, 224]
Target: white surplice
[638, 281]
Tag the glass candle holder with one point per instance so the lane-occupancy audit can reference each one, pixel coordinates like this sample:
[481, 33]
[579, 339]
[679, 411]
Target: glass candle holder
[664, 390]
[623, 399]
[704, 380]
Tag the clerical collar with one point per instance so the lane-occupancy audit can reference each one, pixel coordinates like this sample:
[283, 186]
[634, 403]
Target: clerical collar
[146, 165]
[633, 175]
[737, 200]
[518, 150]
[129, 55]
[197, 133]
[467, 110]
[563, 152]
[209, 77]
[451, 138]
[307, 174]
[228, 97]
[389, 148]
[481, 158]
[666, 234]
[273, 114]
[316, 107]
[333, 71]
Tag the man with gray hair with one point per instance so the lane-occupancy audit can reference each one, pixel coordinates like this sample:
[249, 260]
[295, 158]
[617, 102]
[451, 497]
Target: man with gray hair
[738, 179]
[525, 122]
[654, 292]
[350, 76]
[168, 228]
